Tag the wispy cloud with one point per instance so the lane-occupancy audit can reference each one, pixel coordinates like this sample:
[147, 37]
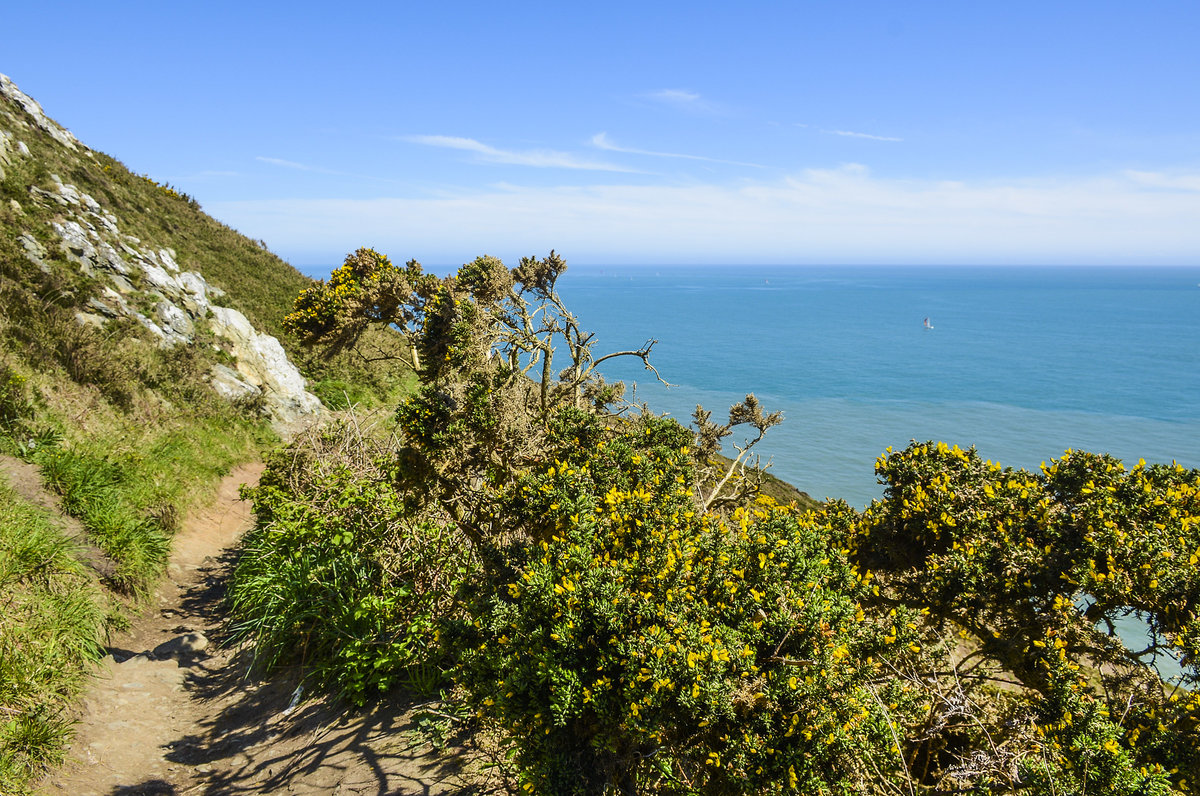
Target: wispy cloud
[536, 158]
[288, 164]
[681, 99]
[291, 164]
[821, 215]
[602, 141]
[850, 134]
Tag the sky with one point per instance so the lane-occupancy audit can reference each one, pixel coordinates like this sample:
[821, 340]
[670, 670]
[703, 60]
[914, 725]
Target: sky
[648, 132]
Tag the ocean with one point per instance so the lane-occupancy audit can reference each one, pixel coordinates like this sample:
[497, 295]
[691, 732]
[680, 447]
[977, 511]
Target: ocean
[1020, 362]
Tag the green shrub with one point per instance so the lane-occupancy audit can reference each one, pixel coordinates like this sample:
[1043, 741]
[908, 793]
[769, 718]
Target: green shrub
[337, 575]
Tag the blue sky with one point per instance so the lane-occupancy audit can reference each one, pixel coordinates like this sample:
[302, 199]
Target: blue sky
[857, 132]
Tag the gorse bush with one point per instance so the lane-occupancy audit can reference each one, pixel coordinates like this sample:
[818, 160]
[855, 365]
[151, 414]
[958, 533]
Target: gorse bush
[1035, 569]
[632, 615]
[643, 646]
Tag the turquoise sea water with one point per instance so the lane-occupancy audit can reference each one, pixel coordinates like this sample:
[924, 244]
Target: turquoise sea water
[1021, 362]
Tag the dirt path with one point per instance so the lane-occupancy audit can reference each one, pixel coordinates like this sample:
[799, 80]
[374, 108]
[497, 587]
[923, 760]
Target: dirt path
[172, 711]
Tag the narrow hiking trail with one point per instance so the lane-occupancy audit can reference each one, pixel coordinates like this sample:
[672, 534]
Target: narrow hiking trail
[172, 711]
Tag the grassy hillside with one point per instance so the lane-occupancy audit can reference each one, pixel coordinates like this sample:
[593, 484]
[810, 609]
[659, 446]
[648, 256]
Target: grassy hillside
[128, 432]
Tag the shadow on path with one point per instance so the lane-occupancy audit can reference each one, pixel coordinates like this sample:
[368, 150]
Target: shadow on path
[248, 743]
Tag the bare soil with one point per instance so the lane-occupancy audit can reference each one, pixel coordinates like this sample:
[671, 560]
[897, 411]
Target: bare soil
[173, 710]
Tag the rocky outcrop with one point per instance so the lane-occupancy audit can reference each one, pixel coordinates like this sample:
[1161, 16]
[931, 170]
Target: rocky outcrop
[146, 282]
[9, 90]
[263, 363]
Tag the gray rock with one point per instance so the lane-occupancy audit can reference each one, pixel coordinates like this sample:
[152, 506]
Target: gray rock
[167, 258]
[89, 203]
[49, 196]
[160, 278]
[108, 258]
[229, 384]
[151, 326]
[90, 319]
[75, 243]
[111, 296]
[174, 321]
[34, 251]
[195, 293]
[69, 192]
[104, 309]
[108, 221]
[122, 283]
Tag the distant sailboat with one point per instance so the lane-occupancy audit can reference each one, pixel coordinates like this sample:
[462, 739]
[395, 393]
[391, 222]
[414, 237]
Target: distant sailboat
[928, 325]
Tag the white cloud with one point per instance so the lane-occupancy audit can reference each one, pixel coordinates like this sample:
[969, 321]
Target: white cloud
[288, 164]
[850, 134]
[537, 158]
[681, 100]
[602, 141]
[291, 164]
[1178, 182]
[842, 215]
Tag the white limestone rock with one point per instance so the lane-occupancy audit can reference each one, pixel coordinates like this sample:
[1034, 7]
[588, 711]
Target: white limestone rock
[108, 258]
[75, 243]
[262, 362]
[159, 278]
[229, 384]
[175, 322]
[167, 258]
[34, 251]
[195, 293]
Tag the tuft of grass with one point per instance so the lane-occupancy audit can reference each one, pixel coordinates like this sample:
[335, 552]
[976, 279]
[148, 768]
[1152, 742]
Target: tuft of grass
[51, 632]
[93, 489]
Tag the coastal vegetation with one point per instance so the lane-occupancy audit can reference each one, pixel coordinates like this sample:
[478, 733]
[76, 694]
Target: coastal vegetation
[614, 608]
[607, 601]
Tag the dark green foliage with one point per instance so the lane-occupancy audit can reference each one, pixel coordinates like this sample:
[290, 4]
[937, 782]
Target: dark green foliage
[337, 575]
[1034, 568]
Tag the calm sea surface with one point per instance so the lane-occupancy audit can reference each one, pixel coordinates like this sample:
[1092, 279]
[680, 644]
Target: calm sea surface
[1022, 363]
